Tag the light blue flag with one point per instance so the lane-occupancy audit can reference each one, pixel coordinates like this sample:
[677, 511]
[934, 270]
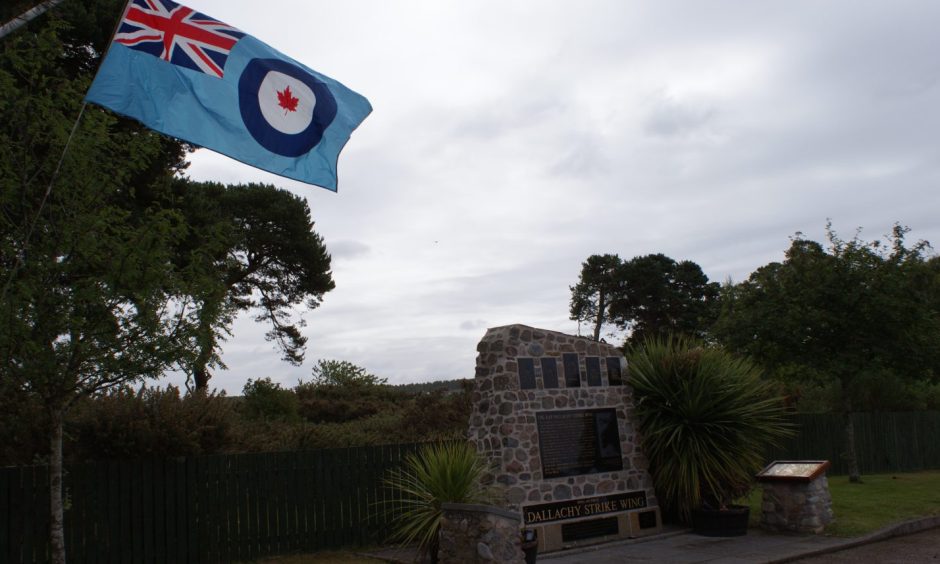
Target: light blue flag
[189, 76]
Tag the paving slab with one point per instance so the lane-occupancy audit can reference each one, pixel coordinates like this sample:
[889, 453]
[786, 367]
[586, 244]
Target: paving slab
[681, 546]
[688, 548]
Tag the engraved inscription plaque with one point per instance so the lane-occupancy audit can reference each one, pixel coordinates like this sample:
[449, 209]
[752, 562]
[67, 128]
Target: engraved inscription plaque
[549, 372]
[527, 373]
[614, 372]
[580, 441]
[593, 366]
[572, 370]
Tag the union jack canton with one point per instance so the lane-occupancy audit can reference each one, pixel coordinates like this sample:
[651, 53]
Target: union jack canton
[177, 34]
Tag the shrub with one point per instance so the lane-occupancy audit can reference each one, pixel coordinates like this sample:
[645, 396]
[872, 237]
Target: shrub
[438, 473]
[124, 423]
[706, 419]
[264, 400]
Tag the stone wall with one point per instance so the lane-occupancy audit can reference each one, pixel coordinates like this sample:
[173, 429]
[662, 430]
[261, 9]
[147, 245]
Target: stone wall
[479, 534]
[523, 374]
[795, 506]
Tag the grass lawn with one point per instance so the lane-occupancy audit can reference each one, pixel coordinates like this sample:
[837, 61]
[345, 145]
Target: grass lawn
[880, 500]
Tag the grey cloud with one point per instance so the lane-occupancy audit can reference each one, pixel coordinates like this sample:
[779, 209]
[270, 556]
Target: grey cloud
[670, 118]
[347, 249]
[473, 325]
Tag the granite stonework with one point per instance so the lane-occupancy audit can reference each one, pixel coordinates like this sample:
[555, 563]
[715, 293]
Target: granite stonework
[803, 507]
[479, 534]
[574, 390]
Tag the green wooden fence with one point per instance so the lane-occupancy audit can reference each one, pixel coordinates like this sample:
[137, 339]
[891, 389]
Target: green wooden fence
[203, 509]
[884, 442]
[231, 508]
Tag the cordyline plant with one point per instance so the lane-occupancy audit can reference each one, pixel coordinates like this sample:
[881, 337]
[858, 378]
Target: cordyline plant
[444, 472]
[706, 420]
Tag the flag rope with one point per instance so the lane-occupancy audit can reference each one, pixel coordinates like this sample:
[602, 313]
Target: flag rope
[20, 260]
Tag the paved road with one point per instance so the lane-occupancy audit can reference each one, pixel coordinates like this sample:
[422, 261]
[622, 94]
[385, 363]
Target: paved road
[909, 549]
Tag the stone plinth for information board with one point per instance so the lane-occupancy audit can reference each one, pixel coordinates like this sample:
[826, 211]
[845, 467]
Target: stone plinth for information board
[553, 414]
[796, 496]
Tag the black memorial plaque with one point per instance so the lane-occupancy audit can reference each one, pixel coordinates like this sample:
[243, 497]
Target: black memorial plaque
[549, 372]
[526, 373]
[593, 366]
[572, 370]
[579, 441]
[614, 371]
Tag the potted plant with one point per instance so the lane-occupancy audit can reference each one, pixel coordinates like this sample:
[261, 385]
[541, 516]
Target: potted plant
[438, 473]
[706, 418]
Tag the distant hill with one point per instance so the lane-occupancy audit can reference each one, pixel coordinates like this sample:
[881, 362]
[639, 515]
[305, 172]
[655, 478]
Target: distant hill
[426, 387]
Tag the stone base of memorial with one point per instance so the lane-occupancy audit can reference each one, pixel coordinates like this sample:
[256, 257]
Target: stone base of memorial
[553, 415]
[479, 533]
[796, 496]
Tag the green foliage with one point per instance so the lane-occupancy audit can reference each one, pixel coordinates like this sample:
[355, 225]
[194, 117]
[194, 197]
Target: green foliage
[859, 317]
[445, 385]
[23, 428]
[250, 248]
[343, 373]
[150, 422]
[331, 403]
[660, 296]
[447, 472]
[439, 415]
[863, 313]
[705, 418]
[264, 400]
[647, 295]
[597, 285]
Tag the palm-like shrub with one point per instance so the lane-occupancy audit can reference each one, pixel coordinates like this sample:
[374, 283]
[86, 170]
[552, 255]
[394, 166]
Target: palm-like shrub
[444, 472]
[706, 419]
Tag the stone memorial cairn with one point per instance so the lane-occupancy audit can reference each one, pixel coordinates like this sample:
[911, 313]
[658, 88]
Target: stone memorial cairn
[553, 414]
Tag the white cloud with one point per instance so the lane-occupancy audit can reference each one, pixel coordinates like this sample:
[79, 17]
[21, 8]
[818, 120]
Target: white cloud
[510, 141]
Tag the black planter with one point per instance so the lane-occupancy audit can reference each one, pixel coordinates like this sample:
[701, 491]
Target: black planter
[731, 522]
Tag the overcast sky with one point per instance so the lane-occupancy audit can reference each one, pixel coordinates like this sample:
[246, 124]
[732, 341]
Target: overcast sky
[511, 140]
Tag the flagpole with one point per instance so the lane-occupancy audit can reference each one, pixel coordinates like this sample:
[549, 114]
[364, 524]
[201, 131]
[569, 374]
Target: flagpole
[27, 16]
[20, 259]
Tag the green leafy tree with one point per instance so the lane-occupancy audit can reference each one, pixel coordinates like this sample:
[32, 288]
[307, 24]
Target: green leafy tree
[596, 289]
[343, 373]
[855, 311]
[89, 298]
[659, 296]
[252, 248]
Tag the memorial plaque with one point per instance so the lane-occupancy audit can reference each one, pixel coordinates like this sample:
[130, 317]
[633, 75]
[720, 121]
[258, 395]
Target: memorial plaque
[580, 441]
[527, 373]
[549, 372]
[593, 366]
[614, 371]
[572, 370]
[582, 530]
[647, 520]
[583, 507]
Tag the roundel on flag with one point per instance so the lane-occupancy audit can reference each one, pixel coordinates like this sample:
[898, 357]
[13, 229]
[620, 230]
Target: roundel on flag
[284, 107]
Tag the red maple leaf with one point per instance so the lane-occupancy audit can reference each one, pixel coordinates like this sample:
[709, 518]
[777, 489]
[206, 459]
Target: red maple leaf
[286, 100]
